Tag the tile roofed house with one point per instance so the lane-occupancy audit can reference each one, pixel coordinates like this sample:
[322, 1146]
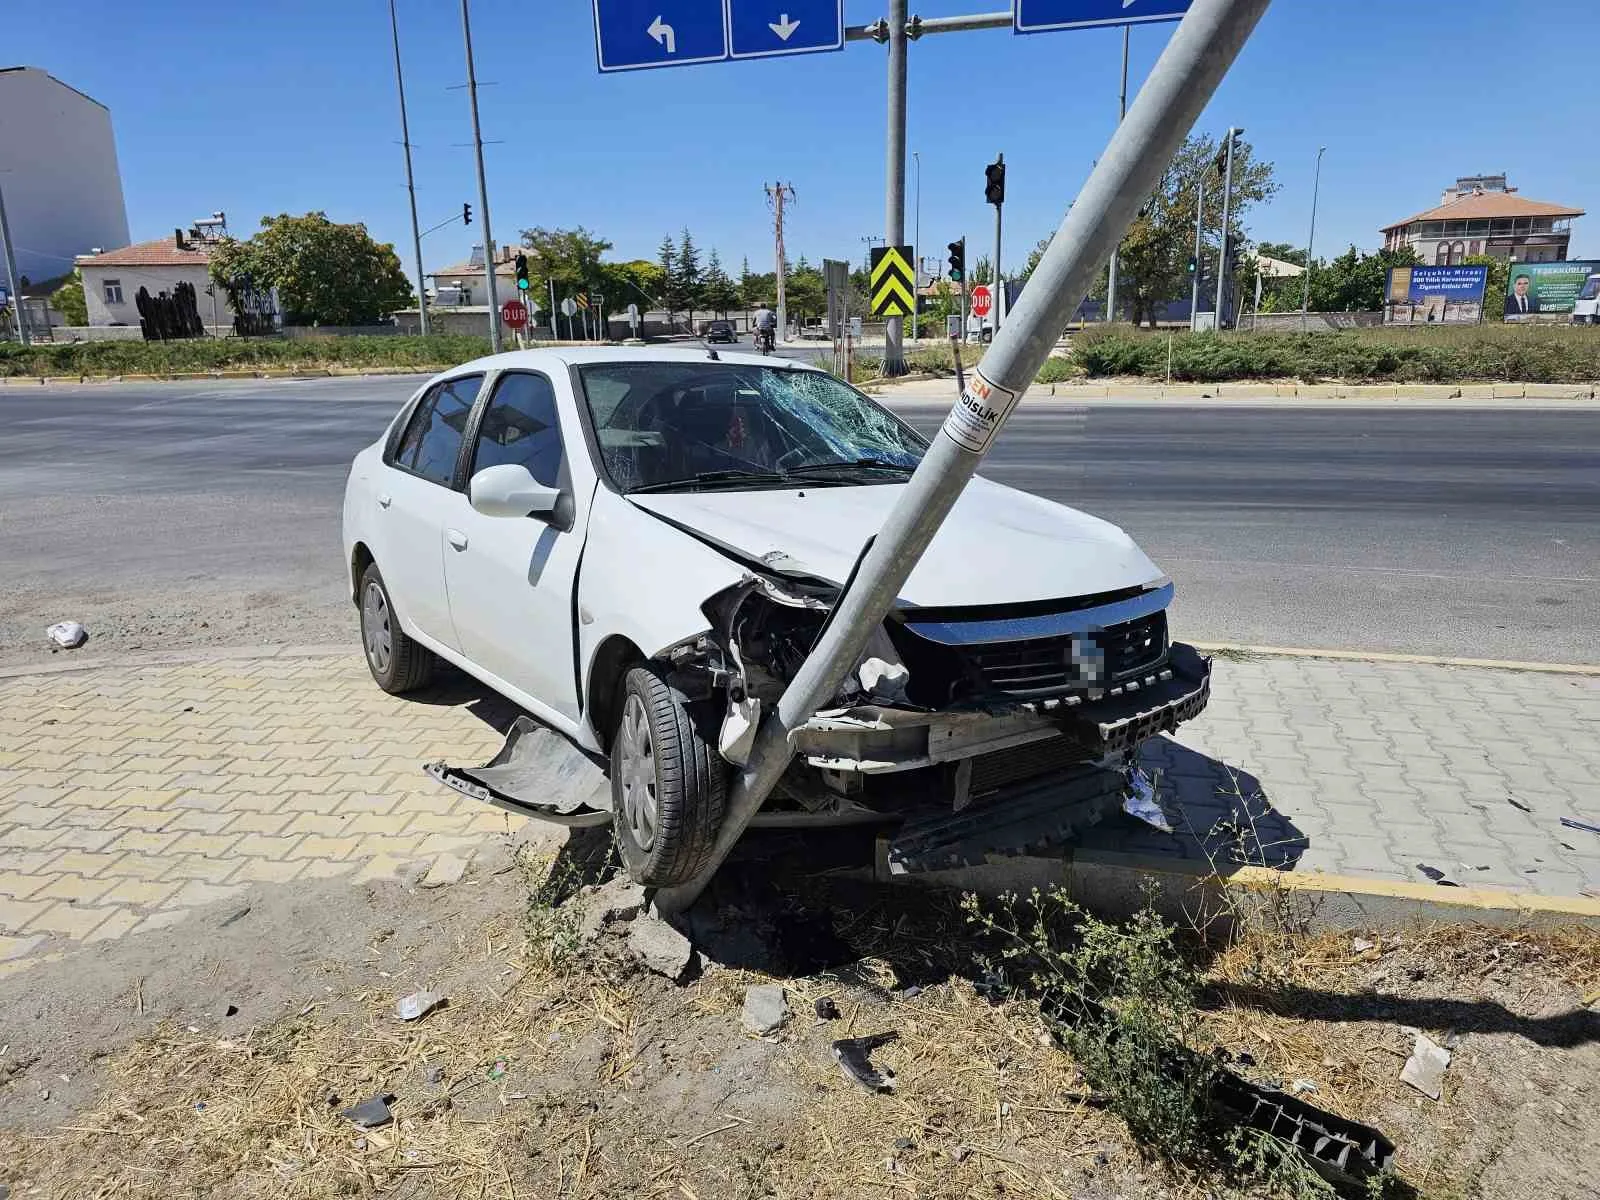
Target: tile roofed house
[1475, 220]
[111, 280]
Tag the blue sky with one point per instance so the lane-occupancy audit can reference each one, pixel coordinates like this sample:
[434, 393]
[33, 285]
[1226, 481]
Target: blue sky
[290, 106]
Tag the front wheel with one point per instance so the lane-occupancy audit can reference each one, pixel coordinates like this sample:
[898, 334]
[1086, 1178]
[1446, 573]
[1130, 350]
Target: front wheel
[668, 784]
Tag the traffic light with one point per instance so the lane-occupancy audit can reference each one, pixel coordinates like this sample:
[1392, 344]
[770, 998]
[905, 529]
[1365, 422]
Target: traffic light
[466, 214]
[958, 261]
[994, 190]
[522, 272]
[1192, 264]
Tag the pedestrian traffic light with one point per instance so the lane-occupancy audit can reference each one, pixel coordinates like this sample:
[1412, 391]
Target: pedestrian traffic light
[466, 214]
[958, 261]
[522, 272]
[994, 191]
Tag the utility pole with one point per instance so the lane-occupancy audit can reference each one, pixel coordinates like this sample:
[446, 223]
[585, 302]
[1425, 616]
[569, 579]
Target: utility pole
[1122, 112]
[777, 195]
[411, 187]
[1227, 195]
[554, 336]
[1199, 225]
[1183, 81]
[11, 273]
[483, 188]
[1311, 240]
[894, 215]
[916, 254]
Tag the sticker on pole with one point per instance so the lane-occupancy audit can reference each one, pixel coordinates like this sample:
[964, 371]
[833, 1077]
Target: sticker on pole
[983, 405]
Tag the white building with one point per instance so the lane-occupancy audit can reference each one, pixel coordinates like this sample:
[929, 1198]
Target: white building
[63, 191]
[111, 281]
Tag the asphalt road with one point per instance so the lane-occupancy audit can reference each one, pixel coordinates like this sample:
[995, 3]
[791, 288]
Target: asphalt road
[182, 514]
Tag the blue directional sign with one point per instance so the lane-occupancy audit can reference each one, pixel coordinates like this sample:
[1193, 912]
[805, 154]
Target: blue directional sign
[632, 35]
[767, 28]
[1038, 16]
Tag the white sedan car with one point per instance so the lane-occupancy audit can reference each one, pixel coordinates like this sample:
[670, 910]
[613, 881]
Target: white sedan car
[639, 548]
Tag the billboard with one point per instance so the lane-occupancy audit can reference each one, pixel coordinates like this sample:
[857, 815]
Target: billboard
[1535, 290]
[1434, 295]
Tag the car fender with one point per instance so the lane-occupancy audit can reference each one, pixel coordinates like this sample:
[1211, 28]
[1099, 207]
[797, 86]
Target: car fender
[643, 579]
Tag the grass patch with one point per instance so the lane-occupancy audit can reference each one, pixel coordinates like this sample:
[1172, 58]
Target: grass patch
[1493, 353]
[217, 354]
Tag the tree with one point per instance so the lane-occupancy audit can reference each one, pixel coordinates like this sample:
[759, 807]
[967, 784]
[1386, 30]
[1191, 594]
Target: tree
[638, 281]
[983, 270]
[1282, 251]
[1494, 289]
[1152, 262]
[1354, 282]
[69, 301]
[807, 291]
[747, 296]
[718, 292]
[689, 280]
[568, 258]
[326, 273]
[667, 258]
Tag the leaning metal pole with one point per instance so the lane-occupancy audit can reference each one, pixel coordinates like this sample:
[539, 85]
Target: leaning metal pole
[489, 264]
[1201, 50]
[411, 186]
[894, 195]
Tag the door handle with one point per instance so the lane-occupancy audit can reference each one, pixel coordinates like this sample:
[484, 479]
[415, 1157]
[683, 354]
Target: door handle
[384, 500]
[456, 538]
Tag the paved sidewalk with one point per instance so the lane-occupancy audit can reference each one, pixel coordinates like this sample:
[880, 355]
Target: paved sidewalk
[130, 795]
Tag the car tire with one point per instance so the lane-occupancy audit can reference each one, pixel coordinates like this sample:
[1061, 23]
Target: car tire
[398, 664]
[669, 786]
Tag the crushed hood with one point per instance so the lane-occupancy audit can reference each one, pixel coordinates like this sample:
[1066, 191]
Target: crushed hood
[998, 545]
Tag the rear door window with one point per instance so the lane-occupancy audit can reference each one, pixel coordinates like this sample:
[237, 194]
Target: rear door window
[431, 444]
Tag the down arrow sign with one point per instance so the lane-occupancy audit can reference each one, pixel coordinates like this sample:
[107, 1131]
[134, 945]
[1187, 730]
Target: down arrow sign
[784, 28]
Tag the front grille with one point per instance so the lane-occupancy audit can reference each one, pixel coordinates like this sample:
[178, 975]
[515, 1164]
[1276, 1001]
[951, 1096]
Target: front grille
[1000, 768]
[1082, 661]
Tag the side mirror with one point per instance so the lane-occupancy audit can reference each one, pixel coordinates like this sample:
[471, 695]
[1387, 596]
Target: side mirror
[510, 490]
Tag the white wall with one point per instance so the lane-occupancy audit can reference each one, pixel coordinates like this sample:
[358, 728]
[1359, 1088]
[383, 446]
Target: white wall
[155, 280]
[63, 190]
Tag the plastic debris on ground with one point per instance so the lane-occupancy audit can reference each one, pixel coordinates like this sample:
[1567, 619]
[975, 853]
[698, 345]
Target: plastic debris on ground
[418, 1005]
[68, 635]
[1361, 945]
[1141, 802]
[497, 1070]
[1424, 1070]
[371, 1113]
[1438, 876]
[826, 1009]
[1586, 826]
[854, 1057]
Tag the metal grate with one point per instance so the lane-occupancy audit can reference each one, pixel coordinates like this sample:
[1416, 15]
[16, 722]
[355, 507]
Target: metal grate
[1041, 666]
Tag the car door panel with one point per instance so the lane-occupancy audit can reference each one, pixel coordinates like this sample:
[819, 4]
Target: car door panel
[510, 580]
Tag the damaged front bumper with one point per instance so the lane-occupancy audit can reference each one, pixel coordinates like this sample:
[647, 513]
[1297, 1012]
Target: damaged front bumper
[877, 740]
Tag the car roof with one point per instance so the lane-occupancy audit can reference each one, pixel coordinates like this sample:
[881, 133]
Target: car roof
[557, 357]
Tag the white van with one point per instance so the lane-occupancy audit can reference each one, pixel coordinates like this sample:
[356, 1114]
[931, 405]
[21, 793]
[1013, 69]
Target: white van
[1586, 309]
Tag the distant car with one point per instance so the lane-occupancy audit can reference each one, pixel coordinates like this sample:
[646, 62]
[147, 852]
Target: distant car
[640, 547]
[721, 331]
[1586, 309]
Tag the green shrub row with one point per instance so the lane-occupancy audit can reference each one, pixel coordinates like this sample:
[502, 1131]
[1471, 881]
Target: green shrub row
[216, 354]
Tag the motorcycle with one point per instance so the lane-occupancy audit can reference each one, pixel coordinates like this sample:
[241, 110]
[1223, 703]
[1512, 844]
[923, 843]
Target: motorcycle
[765, 341]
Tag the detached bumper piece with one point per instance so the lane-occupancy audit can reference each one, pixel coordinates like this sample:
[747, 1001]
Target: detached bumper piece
[1133, 715]
[538, 773]
[1030, 817]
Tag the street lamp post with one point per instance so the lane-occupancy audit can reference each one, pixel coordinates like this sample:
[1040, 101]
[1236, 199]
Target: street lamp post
[1305, 288]
[916, 252]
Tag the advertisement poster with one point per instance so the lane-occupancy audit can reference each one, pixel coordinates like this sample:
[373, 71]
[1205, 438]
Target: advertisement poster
[1536, 290]
[1434, 295]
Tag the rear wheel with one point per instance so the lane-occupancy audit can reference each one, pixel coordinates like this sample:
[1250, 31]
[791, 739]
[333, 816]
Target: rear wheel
[668, 784]
[397, 663]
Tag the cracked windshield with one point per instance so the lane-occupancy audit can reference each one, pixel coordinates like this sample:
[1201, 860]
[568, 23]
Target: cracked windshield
[799, 600]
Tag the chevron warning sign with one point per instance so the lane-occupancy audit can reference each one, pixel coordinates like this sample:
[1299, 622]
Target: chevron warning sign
[893, 282]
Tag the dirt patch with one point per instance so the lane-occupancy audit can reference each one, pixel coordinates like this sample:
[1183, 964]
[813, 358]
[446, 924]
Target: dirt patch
[561, 1068]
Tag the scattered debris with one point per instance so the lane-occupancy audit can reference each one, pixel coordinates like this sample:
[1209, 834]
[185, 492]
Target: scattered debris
[826, 1009]
[67, 635]
[961, 1153]
[231, 1011]
[853, 1055]
[1424, 1070]
[446, 869]
[766, 1008]
[910, 992]
[1303, 1087]
[1437, 875]
[1361, 945]
[1141, 801]
[434, 1075]
[1515, 803]
[660, 947]
[418, 1005]
[903, 1143]
[497, 1069]
[1586, 826]
[884, 681]
[237, 914]
[371, 1113]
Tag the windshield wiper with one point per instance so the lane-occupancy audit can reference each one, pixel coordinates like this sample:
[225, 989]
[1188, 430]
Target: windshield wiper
[706, 477]
[852, 464]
